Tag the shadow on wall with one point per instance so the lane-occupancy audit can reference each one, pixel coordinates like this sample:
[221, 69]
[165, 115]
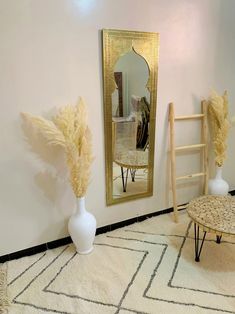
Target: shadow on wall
[61, 232]
[53, 182]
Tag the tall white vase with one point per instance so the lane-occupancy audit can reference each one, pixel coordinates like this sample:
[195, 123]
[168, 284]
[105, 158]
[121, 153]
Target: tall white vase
[82, 228]
[218, 186]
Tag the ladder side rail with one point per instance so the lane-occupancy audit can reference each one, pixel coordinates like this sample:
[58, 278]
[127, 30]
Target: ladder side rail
[204, 134]
[172, 153]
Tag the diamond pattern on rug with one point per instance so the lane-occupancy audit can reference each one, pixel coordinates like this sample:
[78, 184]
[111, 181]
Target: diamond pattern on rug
[17, 269]
[146, 268]
[98, 287]
[213, 265]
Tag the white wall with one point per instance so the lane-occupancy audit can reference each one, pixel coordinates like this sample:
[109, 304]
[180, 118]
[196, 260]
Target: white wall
[50, 53]
[225, 76]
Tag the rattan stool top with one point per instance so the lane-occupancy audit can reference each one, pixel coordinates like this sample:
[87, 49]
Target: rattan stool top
[214, 213]
[133, 159]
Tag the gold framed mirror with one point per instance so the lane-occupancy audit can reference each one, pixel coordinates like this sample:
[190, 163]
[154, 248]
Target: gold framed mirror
[130, 64]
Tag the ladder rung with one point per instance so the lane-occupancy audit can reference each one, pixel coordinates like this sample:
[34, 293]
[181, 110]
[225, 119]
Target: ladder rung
[182, 206]
[189, 147]
[189, 176]
[194, 116]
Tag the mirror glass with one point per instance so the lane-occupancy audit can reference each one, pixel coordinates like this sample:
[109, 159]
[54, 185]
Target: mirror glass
[130, 120]
[130, 85]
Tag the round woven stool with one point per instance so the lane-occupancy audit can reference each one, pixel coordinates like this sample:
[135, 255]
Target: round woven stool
[214, 214]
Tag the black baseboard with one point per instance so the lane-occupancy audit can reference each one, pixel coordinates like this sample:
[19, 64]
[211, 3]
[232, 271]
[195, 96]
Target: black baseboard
[60, 242]
[57, 243]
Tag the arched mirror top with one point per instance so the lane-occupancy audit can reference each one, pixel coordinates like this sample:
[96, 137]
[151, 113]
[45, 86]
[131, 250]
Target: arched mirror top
[135, 67]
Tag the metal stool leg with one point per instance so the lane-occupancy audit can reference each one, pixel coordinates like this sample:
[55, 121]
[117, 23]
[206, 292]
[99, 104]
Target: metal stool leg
[218, 239]
[198, 248]
[133, 174]
[124, 180]
[123, 184]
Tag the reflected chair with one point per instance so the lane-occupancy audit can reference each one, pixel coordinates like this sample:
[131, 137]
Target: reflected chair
[125, 153]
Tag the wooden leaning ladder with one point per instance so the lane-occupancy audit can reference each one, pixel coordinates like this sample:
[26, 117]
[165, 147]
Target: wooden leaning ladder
[174, 149]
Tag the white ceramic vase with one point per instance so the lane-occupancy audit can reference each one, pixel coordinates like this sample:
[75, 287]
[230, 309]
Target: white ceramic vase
[218, 186]
[82, 228]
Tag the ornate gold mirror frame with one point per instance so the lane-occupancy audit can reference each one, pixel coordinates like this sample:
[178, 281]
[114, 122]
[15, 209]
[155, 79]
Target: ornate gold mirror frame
[117, 43]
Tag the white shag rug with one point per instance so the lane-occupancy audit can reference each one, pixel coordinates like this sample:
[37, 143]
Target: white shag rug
[147, 267]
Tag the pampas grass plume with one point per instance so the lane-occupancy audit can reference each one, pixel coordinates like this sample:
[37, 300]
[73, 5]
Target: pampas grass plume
[218, 116]
[69, 129]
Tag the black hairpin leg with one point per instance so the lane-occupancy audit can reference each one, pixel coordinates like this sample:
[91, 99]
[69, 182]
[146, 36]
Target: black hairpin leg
[133, 171]
[198, 248]
[124, 180]
[218, 239]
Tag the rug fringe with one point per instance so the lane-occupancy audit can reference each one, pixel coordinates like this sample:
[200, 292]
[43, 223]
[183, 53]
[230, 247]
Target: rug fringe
[4, 302]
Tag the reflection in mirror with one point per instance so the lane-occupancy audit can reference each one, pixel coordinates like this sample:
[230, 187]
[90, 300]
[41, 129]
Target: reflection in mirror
[130, 85]
[130, 120]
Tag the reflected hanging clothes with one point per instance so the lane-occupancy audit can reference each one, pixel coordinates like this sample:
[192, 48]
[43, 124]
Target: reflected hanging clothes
[142, 139]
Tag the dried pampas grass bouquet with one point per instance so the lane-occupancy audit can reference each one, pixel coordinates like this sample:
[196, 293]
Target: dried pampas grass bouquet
[69, 130]
[219, 121]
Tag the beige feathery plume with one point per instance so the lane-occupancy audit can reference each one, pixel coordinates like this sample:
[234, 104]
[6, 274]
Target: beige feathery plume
[218, 115]
[69, 129]
[49, 130]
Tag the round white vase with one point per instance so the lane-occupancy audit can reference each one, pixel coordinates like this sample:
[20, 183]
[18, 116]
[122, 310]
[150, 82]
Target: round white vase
[82, 228]
[218, 186]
